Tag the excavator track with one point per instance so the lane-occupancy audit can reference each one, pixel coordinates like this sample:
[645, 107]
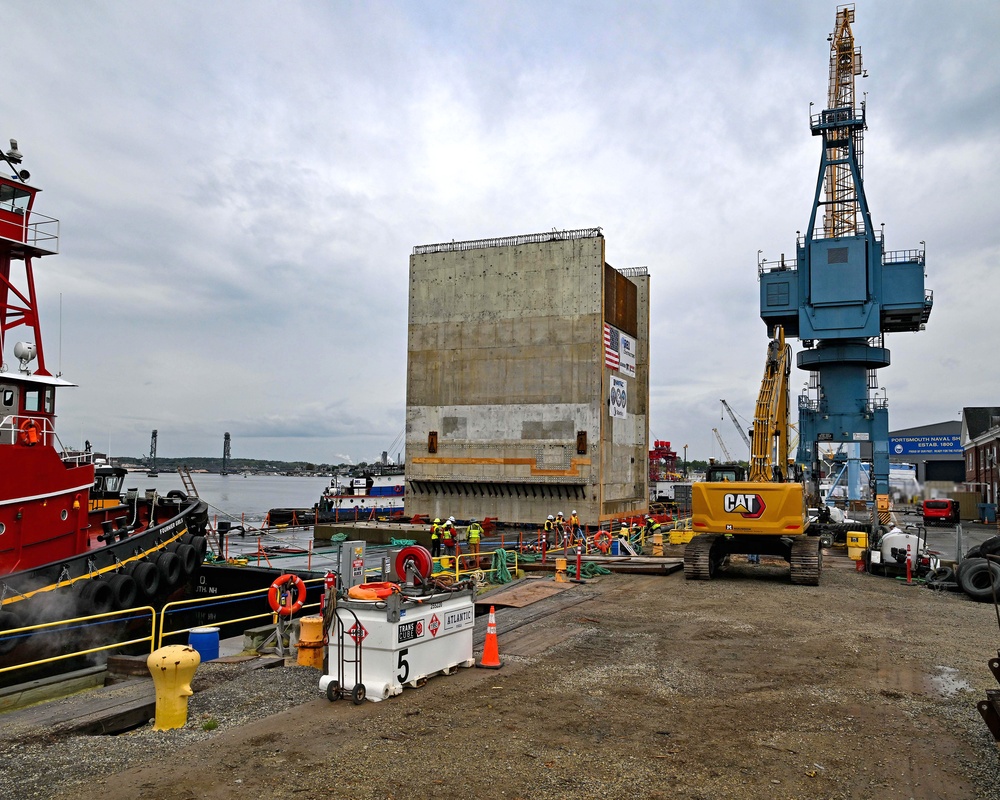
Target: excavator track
[698, 565]
[806, 561]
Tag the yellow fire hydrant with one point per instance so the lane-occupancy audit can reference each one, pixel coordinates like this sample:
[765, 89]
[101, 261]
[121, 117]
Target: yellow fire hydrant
[172, 668]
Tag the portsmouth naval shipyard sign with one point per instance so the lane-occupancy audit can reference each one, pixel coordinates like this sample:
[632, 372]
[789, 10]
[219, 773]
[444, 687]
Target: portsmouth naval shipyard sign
[619, 397]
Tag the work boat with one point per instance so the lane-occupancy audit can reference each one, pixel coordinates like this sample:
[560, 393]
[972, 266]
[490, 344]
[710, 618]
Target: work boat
[73, 542]
[346, 499]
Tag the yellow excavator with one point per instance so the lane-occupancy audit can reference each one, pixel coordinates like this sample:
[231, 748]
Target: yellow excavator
[765, 513]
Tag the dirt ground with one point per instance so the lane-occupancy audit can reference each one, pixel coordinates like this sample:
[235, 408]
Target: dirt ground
[651, 687]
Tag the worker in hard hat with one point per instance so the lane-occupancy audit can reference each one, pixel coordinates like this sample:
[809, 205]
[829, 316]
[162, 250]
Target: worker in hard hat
[574, 526]
[449, 536]
[474, 533]
[547, 529]
[436, 538]
[651, 526]
[562, 530]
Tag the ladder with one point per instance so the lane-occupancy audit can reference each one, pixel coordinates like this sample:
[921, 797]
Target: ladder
[188, 481]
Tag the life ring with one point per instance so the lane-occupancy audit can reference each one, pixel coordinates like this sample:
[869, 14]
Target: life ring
[372, 591]
[28, 435]
[602, 541]
[274, 595]
[397, 489]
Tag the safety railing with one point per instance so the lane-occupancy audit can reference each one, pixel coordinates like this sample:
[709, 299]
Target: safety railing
[464, 565]
[77, 626]
[203, 606]
[155, 627]
[41, 232]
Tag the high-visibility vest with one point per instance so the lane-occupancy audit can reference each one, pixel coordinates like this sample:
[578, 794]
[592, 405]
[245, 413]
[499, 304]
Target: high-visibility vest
[547, 526]
[475, 531]
[434, 532]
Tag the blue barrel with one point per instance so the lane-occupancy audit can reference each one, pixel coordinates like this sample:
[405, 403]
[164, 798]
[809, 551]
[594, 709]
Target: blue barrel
[206, 642]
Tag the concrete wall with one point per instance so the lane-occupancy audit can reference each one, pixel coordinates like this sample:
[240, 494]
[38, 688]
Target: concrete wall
[505, 364]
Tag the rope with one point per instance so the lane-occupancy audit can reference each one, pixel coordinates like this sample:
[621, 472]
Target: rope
[499, 568]
[400, 542]
[590, 569]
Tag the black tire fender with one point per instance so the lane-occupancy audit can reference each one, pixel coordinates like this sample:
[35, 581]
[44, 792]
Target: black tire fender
[169, 567]
[146, 577]
[200, 545]
[189, 560]
[125, 590]
[96, 597]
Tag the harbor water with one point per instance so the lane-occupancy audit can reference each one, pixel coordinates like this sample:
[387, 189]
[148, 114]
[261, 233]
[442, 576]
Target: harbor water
[236, 496]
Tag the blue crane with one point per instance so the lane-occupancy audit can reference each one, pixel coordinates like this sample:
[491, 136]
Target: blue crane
[844, 291]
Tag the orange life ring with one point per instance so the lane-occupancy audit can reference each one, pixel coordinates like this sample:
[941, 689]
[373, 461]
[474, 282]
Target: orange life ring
[602, 541]
[274, 595]
[372, 591]
[28, 433]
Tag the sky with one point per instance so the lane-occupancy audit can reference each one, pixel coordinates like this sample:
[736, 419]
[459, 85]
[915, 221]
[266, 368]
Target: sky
[240, 184]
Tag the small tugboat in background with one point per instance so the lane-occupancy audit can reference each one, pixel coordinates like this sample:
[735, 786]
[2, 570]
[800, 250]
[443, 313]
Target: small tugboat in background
[71, 544]
[351, 499]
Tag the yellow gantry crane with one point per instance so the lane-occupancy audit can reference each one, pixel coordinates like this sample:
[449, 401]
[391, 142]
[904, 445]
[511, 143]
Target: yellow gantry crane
[842, 205]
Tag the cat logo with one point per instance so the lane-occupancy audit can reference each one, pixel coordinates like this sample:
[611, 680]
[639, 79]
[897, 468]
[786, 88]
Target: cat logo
[748, 506]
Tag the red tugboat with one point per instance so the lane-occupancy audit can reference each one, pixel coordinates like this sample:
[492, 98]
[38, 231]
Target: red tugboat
[70, 544]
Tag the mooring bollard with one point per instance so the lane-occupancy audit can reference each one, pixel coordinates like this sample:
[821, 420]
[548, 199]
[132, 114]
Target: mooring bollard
[172, 668]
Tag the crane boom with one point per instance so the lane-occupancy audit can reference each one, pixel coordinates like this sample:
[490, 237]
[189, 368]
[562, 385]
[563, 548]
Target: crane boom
[732, 416]
[769, 451]
[722, 444]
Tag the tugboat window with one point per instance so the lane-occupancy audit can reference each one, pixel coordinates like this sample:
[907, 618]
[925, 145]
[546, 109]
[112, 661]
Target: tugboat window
[50, 397]
[32, 400]
[7, 398]
[14, 199]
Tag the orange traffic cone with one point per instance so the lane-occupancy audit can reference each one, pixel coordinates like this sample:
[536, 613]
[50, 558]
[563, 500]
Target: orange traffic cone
[491, 651]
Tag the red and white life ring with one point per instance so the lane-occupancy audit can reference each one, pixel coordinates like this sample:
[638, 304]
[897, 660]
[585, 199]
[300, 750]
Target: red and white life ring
[602, 541]
[275, 593]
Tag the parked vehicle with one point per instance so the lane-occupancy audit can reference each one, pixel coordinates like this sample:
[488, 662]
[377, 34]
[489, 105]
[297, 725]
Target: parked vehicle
[941, 510]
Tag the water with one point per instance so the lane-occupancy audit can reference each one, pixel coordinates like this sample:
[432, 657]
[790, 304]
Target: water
[240, 497]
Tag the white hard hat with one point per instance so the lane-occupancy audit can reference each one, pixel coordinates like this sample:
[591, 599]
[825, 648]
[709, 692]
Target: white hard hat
[574, 510]
[551, 517]
[451, 519]
[559, 514]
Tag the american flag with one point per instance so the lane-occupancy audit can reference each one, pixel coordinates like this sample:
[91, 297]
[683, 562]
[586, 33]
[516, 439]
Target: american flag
[610, 346]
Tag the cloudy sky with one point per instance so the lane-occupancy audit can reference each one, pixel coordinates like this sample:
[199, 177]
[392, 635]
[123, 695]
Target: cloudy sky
[240, 184]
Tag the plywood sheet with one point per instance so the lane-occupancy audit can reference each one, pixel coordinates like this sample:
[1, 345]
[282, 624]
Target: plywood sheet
[524, 594]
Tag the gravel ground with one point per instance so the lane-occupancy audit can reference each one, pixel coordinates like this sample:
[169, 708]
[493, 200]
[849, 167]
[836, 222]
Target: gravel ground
[646, 686]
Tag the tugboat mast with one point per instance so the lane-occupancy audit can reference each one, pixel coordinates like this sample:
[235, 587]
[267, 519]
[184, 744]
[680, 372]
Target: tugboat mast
[24, 234]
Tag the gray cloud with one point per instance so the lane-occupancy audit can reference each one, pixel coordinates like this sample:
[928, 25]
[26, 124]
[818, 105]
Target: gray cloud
[240, 185]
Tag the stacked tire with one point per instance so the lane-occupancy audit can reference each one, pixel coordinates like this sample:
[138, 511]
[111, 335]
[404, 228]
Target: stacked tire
[978, 576]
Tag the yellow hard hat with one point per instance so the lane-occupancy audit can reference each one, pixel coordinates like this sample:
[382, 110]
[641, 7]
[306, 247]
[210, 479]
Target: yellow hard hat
[437, 521]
